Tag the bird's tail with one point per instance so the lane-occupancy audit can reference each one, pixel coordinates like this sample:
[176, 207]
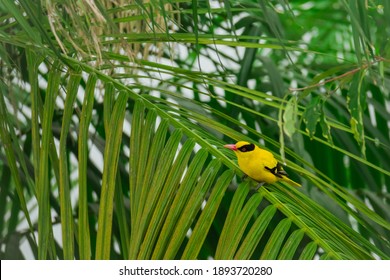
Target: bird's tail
[291, 182]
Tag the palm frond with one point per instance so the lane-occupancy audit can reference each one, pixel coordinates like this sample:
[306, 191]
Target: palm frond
[116, 136]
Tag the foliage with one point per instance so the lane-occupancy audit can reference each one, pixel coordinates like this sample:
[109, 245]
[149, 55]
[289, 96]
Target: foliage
[113, 118]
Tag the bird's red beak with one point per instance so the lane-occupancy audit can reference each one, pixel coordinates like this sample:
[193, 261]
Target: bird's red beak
[231, 147]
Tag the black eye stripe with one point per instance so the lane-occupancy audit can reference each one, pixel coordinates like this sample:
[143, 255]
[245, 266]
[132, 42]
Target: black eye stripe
[247, 148]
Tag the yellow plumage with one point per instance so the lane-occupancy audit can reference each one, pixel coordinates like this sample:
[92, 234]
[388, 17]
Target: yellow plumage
[259, 164]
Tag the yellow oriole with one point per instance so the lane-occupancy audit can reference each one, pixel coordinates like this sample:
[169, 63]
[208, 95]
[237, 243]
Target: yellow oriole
[259, 164]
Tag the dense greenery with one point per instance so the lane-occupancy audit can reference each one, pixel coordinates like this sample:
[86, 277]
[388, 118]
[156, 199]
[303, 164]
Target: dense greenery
[113, 119]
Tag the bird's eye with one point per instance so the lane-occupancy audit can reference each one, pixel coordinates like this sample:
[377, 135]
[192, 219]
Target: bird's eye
[247, 148]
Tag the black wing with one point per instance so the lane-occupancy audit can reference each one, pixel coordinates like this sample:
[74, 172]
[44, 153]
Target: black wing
[277, 170]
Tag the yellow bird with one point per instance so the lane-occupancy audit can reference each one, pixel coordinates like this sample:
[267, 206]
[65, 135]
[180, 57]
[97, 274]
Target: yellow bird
[259, 164]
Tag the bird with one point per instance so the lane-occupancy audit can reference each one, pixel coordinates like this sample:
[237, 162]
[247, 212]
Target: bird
[259, 164]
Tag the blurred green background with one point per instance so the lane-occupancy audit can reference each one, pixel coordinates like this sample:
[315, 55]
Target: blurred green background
[113, 117]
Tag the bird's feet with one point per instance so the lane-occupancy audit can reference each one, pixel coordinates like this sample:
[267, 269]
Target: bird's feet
[259, 185]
